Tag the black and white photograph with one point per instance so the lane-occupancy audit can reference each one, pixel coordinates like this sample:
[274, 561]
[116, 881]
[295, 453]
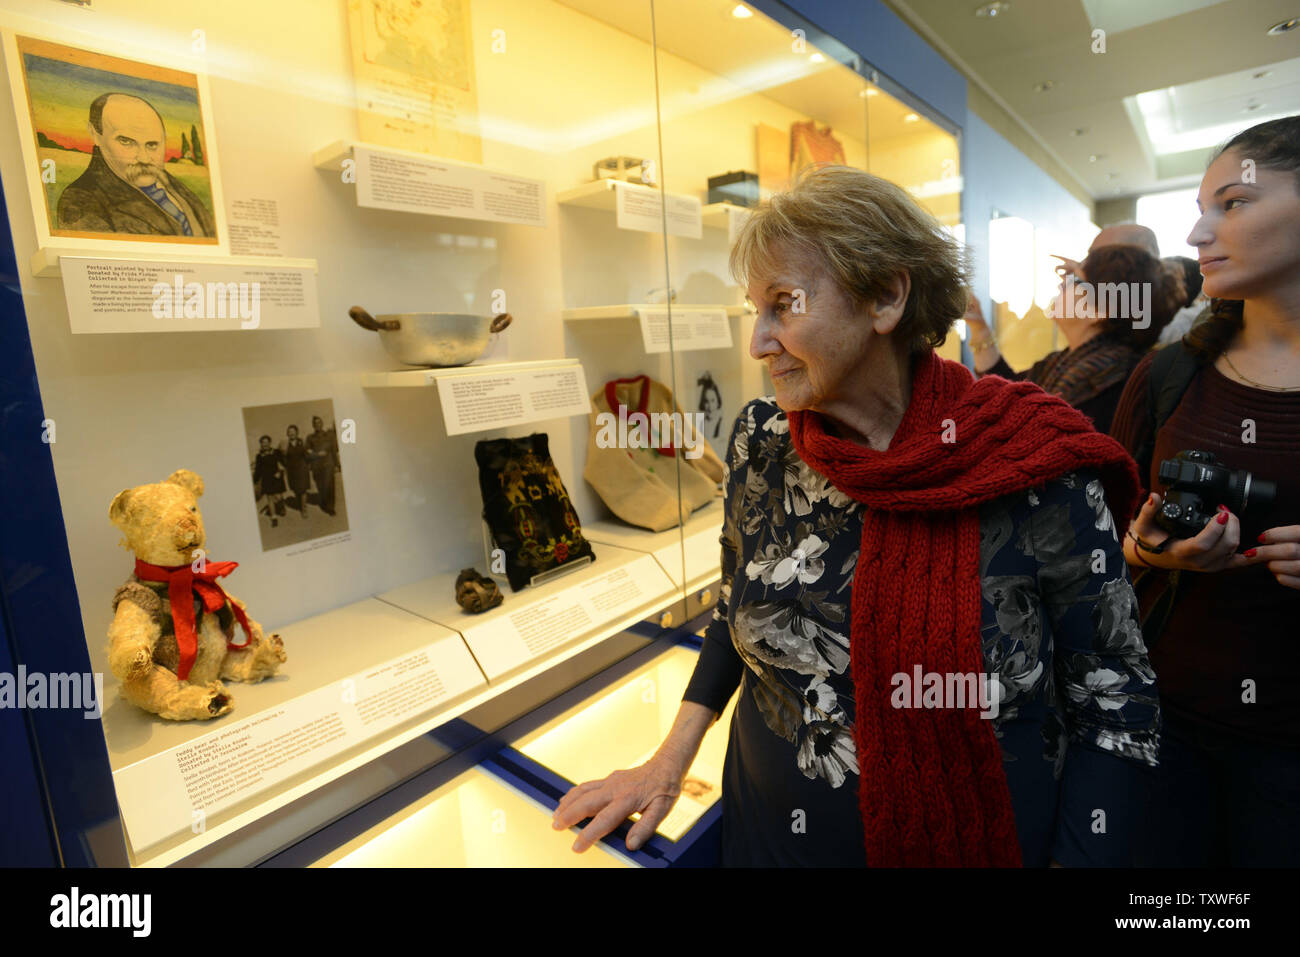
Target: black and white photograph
[711, 418]
[297, 479]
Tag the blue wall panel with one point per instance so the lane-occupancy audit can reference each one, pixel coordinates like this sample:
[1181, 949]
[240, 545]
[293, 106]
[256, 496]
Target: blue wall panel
[880, 37]
[998, 176]
[38, 599]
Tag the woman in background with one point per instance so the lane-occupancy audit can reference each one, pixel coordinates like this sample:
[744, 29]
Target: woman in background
[1106, 336]
[294, 452]
[268, 479]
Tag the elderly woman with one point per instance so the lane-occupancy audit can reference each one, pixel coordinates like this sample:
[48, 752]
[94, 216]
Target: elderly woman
[1106, 335]
[924, 600]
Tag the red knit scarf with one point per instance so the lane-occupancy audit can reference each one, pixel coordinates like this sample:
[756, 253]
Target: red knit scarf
[932, 790]
[183, 582]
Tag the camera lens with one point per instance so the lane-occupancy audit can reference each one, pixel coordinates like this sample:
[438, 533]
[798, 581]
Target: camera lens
[1260, 493]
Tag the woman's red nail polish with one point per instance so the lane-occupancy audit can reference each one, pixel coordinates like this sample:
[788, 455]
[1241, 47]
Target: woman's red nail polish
[1223, 518]
[1261, 538]
[1223, 508]
[1250, 553]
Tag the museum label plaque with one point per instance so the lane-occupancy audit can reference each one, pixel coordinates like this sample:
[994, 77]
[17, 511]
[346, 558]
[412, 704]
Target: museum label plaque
[692, 329]
[135, 295]
[181, 789]
[438, 187]
[641, 208]
[525, 630]
[495, 400]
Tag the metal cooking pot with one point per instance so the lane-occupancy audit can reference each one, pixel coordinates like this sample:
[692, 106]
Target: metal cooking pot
[432, 338]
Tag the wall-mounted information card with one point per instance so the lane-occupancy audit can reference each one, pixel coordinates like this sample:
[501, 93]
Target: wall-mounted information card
[437, 187]
[476, 402]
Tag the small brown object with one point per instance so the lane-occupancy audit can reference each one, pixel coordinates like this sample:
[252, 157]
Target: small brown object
[475, 593]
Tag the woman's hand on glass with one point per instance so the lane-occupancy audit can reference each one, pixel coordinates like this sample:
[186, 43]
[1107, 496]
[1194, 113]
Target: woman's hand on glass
[652, 789]
[1280, 548]
[1212, 549]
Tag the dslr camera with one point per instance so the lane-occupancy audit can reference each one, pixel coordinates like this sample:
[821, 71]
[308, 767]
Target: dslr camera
[1197, 484]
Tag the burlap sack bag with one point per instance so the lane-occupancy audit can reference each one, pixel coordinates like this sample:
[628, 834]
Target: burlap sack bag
[632, 462]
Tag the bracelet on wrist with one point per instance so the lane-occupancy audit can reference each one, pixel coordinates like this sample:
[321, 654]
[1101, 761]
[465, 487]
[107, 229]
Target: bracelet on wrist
[1140, 546]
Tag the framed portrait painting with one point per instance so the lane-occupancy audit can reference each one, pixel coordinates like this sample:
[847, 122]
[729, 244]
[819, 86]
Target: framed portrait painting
[118, 151]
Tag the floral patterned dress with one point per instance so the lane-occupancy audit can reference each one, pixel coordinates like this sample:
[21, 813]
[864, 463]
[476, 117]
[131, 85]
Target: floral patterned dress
[1078, 717]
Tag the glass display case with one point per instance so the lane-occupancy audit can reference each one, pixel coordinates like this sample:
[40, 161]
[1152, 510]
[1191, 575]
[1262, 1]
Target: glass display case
[421, 314]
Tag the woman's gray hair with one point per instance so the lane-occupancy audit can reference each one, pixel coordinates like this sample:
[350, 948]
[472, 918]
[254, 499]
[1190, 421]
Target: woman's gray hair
[863, 231]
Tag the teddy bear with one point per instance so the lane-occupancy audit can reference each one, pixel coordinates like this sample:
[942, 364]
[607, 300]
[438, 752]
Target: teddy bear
[172, 641]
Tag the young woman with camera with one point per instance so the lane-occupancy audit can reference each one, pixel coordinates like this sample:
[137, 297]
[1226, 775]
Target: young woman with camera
[1227, 791]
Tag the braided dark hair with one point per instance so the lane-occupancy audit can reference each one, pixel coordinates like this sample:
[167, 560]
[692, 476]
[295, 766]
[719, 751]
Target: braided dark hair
[1274, 145]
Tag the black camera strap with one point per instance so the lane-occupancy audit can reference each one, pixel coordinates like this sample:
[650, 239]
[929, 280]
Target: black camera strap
[1172, 370]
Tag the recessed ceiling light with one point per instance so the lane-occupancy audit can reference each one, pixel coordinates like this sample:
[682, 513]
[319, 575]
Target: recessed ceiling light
[1286, 26]
[869, 91]
[910, 118]
[1111, 176]
[995, 9]
[1079, 131]
[817, 58]
[741, 12]
[1261, 74]
[1042, 86]
[1096, 156]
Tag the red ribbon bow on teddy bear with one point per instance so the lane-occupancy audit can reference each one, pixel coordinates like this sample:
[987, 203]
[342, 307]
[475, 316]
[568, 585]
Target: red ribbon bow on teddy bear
[182, 581]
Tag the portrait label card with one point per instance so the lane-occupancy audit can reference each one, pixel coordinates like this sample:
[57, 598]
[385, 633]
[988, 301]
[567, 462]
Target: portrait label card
[435, 187]
[130, 295]
[497, 400]
[692, 329]
[255, 228]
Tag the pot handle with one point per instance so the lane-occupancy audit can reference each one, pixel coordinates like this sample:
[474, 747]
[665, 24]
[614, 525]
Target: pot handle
[366, 321]
[500, 322]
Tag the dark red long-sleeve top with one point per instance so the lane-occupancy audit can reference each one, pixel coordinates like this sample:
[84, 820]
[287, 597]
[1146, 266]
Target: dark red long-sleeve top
[1229, 657]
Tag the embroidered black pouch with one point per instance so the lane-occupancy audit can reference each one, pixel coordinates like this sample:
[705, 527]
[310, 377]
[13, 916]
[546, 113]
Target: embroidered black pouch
[527, 507]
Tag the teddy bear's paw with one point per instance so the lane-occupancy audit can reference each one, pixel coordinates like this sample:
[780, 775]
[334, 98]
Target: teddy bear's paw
[276, 646]
[217, 699]
[267, 658]
[139, 663]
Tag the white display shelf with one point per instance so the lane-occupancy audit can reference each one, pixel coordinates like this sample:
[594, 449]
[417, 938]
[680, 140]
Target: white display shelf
[323, 651]
[474, 820]
[420, 378]
[700, 537]
[330, 647]
[534, 629]
[333, 156]
[628, 310]
[602, 194]
[715, 215]
[45, 261]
